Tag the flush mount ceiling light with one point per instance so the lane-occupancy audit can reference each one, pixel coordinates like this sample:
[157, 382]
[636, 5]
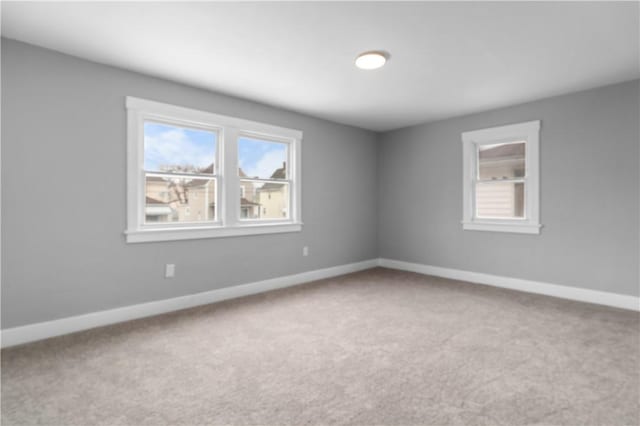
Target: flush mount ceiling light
[371, 60]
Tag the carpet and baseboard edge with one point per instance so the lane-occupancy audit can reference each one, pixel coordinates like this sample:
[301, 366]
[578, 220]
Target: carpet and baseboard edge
[561, 291]
[43, 330]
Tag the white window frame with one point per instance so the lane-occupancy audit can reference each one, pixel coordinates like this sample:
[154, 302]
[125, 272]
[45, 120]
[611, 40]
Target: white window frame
[528, 132]
[228, 222]
[288, 179]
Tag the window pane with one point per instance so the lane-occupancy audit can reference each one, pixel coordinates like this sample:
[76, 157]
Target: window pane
[500, 199]
[262, 159]
[501, 161]
[264, 200]
[179, 200]
[176, 149]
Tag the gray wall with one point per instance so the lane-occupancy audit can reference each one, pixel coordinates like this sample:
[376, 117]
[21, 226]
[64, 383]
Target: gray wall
[397, 195]
[589, 145]
[63, 194]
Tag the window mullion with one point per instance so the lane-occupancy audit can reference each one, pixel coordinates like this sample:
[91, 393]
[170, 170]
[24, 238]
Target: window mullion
[231, 180]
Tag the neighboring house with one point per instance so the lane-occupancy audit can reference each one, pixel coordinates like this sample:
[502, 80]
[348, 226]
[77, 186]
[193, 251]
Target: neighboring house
[501, 199]
[274, 197]
[156, 210]
[187, 200]
[249, 208]
[178, 199]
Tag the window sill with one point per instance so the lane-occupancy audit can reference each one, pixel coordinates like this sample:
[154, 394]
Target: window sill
[175, 234]
[519, 228]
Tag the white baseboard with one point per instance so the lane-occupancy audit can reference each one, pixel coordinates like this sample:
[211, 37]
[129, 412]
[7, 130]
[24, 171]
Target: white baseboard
[43, 330]
[561, 291]
[32, 332]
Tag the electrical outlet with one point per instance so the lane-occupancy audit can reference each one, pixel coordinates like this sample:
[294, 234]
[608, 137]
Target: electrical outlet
[305, 251]
[169, 270]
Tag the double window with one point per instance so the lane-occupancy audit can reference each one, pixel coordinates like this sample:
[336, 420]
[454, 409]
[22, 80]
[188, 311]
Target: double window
[501, 179]
[193, 174]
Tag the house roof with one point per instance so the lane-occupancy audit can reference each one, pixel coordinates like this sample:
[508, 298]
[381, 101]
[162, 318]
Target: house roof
[149, 200]
[208, 169]
[245, 202]
[280, 173]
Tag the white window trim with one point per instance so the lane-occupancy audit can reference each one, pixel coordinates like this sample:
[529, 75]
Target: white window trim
[228, 221]
[530, 132]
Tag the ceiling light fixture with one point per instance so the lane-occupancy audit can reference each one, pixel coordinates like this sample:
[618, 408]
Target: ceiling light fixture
[371, 60]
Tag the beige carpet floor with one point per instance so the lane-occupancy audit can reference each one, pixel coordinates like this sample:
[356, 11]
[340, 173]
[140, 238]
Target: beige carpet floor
[378, 347]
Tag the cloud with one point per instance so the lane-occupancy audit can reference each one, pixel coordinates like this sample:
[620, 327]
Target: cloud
[266, 164]
[166, 149]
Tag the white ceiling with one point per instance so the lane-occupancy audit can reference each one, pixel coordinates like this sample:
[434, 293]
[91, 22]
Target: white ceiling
[447, 59]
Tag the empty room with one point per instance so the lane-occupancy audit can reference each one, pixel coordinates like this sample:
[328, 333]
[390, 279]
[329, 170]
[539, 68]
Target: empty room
[320, 213]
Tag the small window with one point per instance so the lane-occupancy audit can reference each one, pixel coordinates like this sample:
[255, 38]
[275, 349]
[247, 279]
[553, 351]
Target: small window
[499, 189]
[187, 169]
[501, 179]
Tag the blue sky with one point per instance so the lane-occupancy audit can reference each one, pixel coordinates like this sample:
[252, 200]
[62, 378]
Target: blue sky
[166, 145]
[177, 146]
[260, 158]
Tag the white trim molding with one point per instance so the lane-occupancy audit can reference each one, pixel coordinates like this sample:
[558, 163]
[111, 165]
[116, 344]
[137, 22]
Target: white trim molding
[561, 291]
[528, 132]
[226, 180]
[175, 234]
[521, 228]
[44, 330]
